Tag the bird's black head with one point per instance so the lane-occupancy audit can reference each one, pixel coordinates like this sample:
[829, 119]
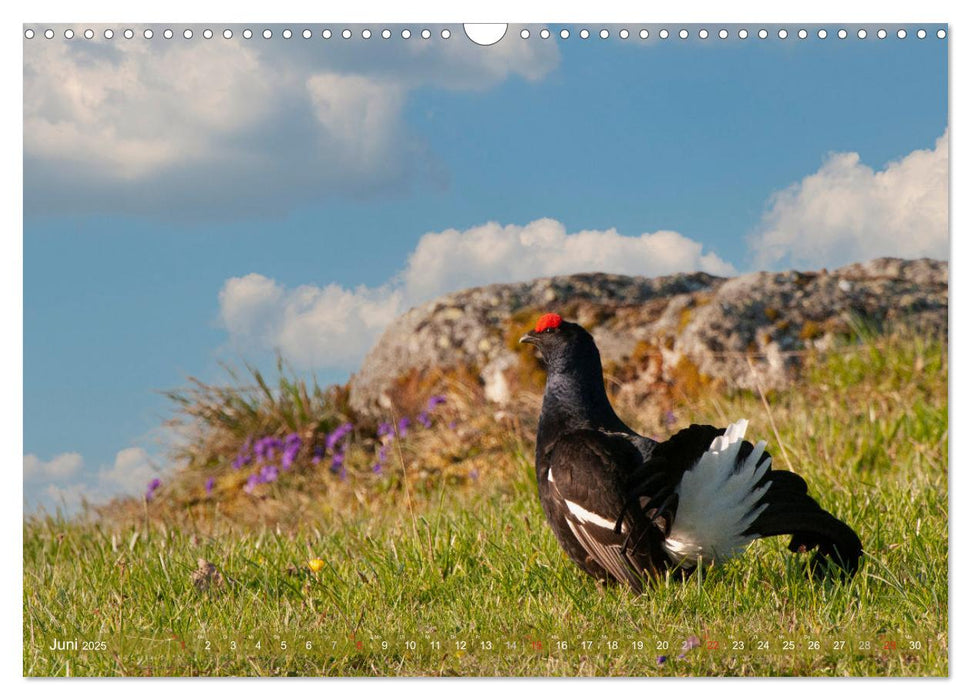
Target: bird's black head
[565, 346]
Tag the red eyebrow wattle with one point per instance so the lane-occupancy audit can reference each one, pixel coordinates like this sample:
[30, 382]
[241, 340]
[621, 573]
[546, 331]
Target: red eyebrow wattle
[548, 321]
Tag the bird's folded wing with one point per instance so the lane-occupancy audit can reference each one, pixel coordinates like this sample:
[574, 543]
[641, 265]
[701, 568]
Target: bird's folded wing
[588, 475]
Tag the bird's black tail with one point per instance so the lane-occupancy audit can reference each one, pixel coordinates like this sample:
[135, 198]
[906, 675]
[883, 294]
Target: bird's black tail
[792, 511]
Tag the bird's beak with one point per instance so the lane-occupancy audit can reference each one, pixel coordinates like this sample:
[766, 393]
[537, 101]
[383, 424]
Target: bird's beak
[529, 338]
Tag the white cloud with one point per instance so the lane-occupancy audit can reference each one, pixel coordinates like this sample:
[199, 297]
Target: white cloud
[130, 473]
[333, 327]
[63, 483]
[60, 467]
[846, 212]
[184, 128]
[493, 253]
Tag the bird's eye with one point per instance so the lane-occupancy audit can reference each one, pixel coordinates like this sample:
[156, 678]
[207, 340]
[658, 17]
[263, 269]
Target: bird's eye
[549, 330]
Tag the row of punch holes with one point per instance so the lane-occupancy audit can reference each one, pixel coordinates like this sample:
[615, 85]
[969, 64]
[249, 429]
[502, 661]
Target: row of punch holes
[524, 33]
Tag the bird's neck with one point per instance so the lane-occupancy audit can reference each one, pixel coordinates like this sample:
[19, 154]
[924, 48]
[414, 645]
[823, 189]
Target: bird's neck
[575, 400]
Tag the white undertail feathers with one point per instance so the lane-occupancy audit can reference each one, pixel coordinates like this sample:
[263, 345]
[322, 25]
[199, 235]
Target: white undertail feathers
[717, 502]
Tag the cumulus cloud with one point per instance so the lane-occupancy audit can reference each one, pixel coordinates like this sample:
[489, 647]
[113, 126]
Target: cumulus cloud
[62, 482]
[491, 253]
[130, 473]
[333, 327]
[847, 211]
[207, 128]
[59, 467]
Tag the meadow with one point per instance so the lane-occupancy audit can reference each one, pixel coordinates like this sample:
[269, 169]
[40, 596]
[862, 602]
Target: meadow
[424, 551]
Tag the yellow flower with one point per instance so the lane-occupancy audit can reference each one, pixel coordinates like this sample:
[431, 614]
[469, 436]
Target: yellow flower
[316, 565]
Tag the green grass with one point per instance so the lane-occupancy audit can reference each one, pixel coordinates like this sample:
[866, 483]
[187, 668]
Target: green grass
[442, 581]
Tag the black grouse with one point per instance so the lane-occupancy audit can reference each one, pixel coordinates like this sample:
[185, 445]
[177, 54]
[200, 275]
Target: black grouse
[627, 508]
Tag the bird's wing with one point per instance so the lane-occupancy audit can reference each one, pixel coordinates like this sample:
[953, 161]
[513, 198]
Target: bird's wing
[588, 476]
[728, 495]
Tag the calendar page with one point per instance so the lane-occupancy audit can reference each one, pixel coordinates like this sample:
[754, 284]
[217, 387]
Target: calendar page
[508, 350]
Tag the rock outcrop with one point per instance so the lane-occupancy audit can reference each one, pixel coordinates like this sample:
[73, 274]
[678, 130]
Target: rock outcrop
[752, 328]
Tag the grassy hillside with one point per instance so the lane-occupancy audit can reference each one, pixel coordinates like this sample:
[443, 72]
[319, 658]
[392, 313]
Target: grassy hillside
[434, 558]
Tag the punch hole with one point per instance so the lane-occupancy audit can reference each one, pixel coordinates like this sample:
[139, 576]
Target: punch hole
[881, 34]
[346, 34]
[267, 34]
[68, 33]
[89, 34]
[207, 34]
[841, 33]
[405, 33]
[425, 34]
[385, 34]
[544, 33]
[783, 34]
[803, 34]
[901, 33]
[763, 34]
[109, 34]
[941, 33]
[49, 33]
[524, 34]
[247, 33]
[366, 33]
[29, 34]
[485, 34]
[743, 33]
[446, 33]
[604, 34]
[564, 33]
[327, 34]
[306, 34]
[643, 34]
[287, 34]
[722, 33]
[584, 34]
[861, 34]
[624, 33]
[683, 34]
[187, 34]
[821, 33]
[129, 33]
[921, 34]
[228, 34]
[703, 34]
[148, 33]
[168, 33]
[663, 33]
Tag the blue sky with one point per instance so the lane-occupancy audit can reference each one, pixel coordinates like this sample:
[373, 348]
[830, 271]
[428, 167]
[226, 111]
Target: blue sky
[169, 226]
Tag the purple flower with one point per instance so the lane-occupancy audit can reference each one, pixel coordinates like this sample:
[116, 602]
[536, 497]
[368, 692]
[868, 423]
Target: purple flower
[385, 428]
[338, 435]
[452, 425]
[434, 401]
[291, 451]
[242, 459]
[251, 483]
[424, 419]
[153, 486]
[670, 418]
[377, 468]
[337, 462]
[269, 473]
[403, 426]
[661, 659]
[210, 482]
[383, 454]
[474, 474]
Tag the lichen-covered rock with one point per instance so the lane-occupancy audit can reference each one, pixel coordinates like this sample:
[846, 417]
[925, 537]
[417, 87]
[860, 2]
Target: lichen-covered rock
[744, 331]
